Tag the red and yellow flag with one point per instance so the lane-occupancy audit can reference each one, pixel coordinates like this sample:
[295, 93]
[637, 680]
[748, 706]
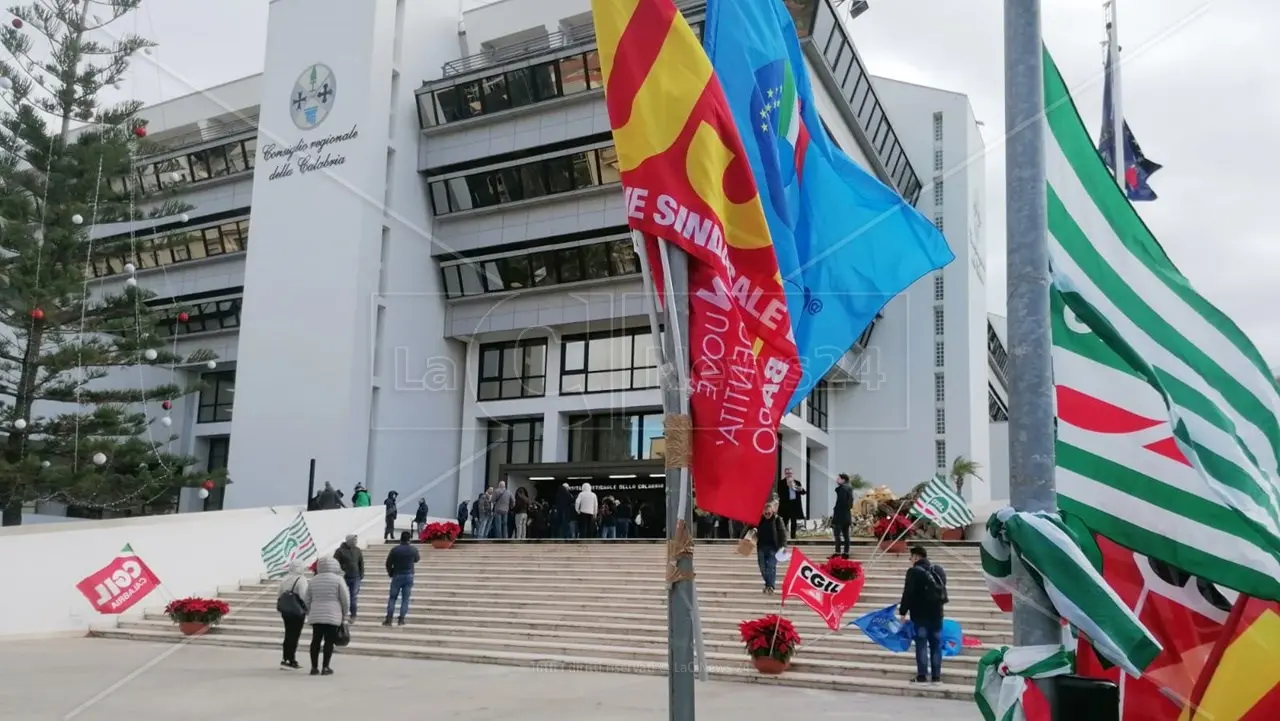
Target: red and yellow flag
[1241, 681]
[688, 181]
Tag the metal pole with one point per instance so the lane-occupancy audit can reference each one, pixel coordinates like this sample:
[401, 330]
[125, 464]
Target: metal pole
[681, 601]
[1031, 401]
[1117, 113]
[311, 482]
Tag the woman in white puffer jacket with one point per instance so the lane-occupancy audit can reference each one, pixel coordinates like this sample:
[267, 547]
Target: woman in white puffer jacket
[328, 605]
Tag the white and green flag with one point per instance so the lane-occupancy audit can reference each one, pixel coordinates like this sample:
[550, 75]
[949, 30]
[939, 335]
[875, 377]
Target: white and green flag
[938, 502]
[293, 544]
[1168, 435]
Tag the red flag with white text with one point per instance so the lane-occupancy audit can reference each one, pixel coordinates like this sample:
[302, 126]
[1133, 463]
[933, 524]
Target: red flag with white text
[828, 597]
[116, 587]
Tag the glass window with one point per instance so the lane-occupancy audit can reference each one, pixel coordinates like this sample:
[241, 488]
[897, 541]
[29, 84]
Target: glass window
[817, 405]
[494, 94]
[537, 268]
[199, 167]
[452, 281]
[150, 180]
[604, 437]
[216, 397]
[573, 75]
[520, 182]
[593, 70]
[532, 85]
[568, 263]
[595, 261]
[543, 269]
[448, 104]
[609, 166]
[623, 258]
[620, 361]
[236, 162]
[213, 241]
[533, 179]
[250, 151]
[515, 440]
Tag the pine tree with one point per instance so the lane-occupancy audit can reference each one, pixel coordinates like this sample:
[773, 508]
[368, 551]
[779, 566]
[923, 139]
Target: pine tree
[74, 396]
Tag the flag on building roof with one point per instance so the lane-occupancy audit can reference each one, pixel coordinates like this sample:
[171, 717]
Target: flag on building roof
[686, 180]
[1137, 168]
[1168, 417]
[846, 243]
[293, 544]
[940, 504]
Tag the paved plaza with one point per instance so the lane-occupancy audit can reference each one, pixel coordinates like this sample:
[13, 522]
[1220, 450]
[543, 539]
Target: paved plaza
[101, 680]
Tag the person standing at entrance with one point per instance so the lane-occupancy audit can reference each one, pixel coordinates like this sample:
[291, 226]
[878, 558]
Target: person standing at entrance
[420, 517]
[771, 537]
[924, 594]
[351, 558]
[328, 603]
[624, 515]
[389, 532]
[842, 514]
[586, 505]
[360, 498]
[502, 501]
[483, 510]
[521, 509]
[400, 563]
[568, 525]
[792, 506]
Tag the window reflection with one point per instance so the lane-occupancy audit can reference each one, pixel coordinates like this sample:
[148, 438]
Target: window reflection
[540, 178]
[617, 361]
[201, 165]
[606, 437]
[516, 369]
[152, 252]
[609, 259]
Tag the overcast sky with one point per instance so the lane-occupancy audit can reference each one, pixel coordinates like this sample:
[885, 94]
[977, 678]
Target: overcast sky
[1201, 91]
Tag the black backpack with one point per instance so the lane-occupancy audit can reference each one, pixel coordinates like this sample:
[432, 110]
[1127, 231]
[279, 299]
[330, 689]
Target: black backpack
[291, 604]
[935, 586]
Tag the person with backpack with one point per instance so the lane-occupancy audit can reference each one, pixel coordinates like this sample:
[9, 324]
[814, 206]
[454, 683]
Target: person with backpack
[293, 611]
[924, 595]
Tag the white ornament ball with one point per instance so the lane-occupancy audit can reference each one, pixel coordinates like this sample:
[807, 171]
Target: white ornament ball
[182, 218]
[173, 177]
[130, 268]
[20, 424]
[132, 282]
[204, 493]
[116, 85]
[99, 458]
[45, 464]
[166, 421]
[77, 219]
[5, 83]
[211, 365]
[150, 354]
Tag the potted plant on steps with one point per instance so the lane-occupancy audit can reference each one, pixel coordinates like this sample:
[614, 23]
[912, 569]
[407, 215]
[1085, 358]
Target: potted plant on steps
[962, 469]
[841, 569]
[893, 530]
[441, 534]
[770, 641]
[194, 616]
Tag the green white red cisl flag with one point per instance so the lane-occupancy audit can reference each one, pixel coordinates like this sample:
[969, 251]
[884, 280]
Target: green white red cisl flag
[688, 182]
[830, 598]
[117, 586]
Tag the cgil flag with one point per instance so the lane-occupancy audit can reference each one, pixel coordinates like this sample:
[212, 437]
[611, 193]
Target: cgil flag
[686, 180]
[1169, 419]
[939, 503]
[846, 243]
[291, 545]
[830, 598]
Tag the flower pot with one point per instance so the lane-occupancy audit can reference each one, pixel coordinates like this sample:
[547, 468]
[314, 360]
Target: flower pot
[192, 628]
[953, 534]
[441, 543]
[893, 546]
[769, 664]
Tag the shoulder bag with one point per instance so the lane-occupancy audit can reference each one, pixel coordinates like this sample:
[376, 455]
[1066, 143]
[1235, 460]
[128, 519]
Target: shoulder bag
[290, 603]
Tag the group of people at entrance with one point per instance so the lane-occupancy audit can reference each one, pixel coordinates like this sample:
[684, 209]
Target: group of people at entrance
[329, 599]
[924, 592]
[498, 513]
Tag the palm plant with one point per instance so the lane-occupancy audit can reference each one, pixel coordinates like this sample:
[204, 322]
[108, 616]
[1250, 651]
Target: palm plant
[961, 469]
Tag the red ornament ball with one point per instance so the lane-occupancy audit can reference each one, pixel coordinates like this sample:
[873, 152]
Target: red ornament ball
[37, 313]
[166, 405]
[207, 485]
[183, 317]
[17, 23]
[140, 131]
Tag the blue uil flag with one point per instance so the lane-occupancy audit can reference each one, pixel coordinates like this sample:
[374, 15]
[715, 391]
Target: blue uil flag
[886, 629]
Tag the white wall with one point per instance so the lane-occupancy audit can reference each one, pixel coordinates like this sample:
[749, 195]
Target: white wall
[191, 554]
[998, 472]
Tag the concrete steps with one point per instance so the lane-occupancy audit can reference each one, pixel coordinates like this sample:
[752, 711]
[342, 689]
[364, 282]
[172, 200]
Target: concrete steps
[602, 606]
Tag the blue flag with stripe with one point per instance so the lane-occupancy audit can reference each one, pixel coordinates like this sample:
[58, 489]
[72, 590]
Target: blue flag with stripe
[846, 243]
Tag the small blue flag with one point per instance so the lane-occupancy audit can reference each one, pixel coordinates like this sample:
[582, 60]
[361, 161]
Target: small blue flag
[846, 243]
[952, 638]
[885, 628]
[1137, 167]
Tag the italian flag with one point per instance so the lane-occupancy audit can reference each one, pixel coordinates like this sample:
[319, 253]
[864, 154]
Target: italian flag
[791, 125]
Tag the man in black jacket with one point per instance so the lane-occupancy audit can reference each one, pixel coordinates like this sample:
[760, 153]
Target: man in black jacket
[351, 558]
[842, 514]
[400, 563]
[923, 597]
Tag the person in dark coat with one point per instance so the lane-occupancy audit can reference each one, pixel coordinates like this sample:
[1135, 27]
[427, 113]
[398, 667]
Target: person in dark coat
[924, 593]
[391, 504]
[564, 509]
[420, 518]
[771, 537]
[327, 498]
[842, 514]
[463, 514]
[791, 506]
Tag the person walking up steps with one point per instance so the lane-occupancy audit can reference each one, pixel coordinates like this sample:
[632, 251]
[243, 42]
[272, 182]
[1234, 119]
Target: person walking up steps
[328, 604]
[771, 537]
[351, 558]
[293, 611]
[400, 563]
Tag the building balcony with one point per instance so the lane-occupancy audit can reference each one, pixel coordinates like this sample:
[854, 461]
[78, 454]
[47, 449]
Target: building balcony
[997, 357]
[542, 67]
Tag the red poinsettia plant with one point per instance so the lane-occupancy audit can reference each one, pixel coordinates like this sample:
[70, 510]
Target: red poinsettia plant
[198, 610]
[441, 531]
[771, 636]
[841, 569]
[892, 527]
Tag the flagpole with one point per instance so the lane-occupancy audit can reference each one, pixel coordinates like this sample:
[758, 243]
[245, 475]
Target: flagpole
[681, 599]
[1117, 113]
[1031, 391]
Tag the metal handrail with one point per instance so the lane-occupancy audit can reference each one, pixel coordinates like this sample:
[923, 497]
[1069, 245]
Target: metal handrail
[238, 126]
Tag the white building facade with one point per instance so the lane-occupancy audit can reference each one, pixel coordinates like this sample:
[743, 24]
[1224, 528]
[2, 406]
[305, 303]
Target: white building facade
[422, 278]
